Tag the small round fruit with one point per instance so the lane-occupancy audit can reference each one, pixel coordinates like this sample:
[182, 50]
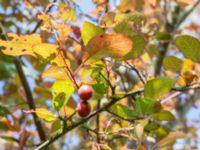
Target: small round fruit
[83, 109]
[85, 92]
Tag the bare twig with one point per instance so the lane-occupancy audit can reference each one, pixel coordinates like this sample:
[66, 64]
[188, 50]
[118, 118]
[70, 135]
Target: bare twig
[140, 75]
[47, 10]
[98, 121]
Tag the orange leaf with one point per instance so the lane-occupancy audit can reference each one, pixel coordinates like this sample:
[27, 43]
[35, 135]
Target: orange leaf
[186, 2]
[115, 46]
[153, 2]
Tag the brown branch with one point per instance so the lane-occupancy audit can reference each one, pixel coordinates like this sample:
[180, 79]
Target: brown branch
[25, 84]
[98, 121]
[29, 98]
[105, 108]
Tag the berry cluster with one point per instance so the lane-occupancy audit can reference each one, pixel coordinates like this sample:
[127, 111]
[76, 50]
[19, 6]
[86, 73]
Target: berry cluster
[85, 92]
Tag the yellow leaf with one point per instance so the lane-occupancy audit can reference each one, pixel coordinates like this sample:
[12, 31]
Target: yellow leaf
[32, 45]
[115, 46]
[45, 50]
[54, 72]
[171, 138]
[45, 114]
[46, 21]
[19, 44]
[64, 30]
[130, 5]
[153, 2]
[139, 129]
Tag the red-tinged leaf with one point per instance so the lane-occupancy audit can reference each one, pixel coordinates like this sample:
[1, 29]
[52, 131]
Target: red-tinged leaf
[24, 137]
[77, 31]
[63, 30]
[10, 126]
[115, 46]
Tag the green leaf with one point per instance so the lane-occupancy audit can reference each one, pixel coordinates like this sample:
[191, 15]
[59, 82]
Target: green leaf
[163, 36]
[61, 91]
[56, 125]
[123, 111]
[152, 126]
[163, 116]
[125, 28]
[4, 111]
[145, 106]
[189, 46]
[172, 63]
[153, 50]
[135, 17]
[90, 30]
[100, 88]
[173, 136]
[45, 114]
[138, 46]
[162, 132]
[3, 126]
[155, 88]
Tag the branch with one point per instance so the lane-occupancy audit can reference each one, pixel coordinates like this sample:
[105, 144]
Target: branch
[98, 121]
[105, 108]
[25, 84]
[139, 74]
[76, 124]
[29, 98]
[116, 115]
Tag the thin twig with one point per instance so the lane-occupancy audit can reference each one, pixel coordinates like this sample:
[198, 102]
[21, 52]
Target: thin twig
[76, 124]
[111, 102]
[98, 121]
[116, 115]
[140, 75]
[47, 10]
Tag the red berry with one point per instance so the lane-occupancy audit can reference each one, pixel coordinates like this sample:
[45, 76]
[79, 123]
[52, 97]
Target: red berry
[83, 109]
[85, 92]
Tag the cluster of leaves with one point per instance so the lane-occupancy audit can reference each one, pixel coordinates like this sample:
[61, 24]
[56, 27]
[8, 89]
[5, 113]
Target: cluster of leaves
[115, 55]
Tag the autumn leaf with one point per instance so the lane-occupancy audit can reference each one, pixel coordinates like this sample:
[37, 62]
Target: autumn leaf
[54, 72]
[45, 114]
[63, 30]
[32, 45]
[46, 21]
[171, 138]
[139, 129]
[19, 44]
[153, 2]
[115, 46]
[186, 2]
